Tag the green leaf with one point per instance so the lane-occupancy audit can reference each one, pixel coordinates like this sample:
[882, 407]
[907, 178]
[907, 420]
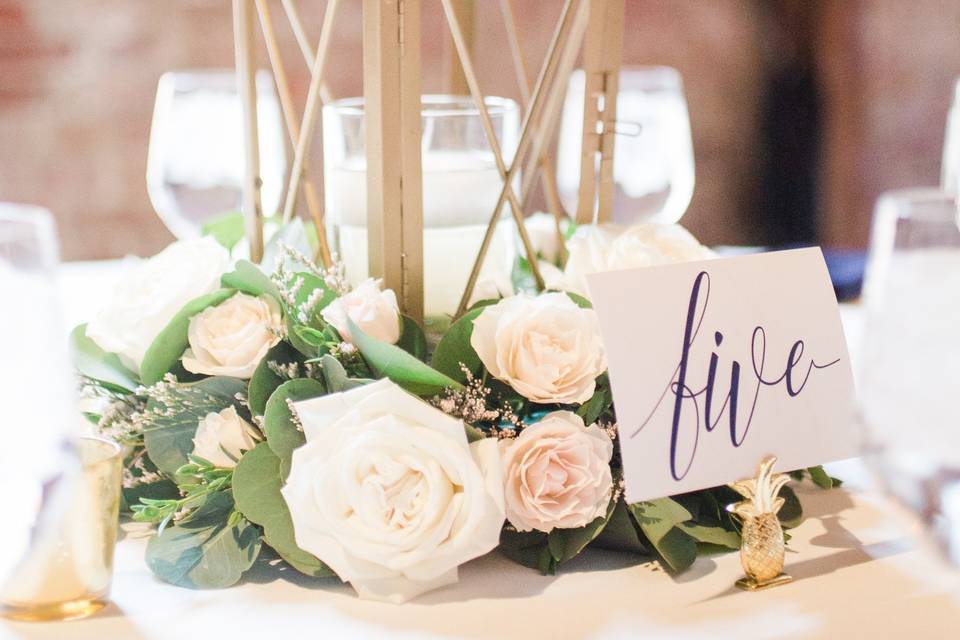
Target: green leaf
[596, 406]
[207, 550]
[582, 302]
[169, 430]
[712, 535]
[621, 533]
[256, 488]
[228, 229]
[412, 339]
[335, 376]
[820, 477]
[791, 514]
[390, 361]
[264, 381]
[454, 347]
[93, 362]
[576, 540]
[279, 425]
[527, 548]
[167, 348]
[658, 519]
[248, 278]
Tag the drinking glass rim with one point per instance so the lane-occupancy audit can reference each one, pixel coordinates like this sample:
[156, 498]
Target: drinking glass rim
[917, 196]
[433, 105]
[115, 451]
[20, 221]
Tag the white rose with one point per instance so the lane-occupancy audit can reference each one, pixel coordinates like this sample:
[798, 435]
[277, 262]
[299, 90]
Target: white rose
[388, 493]
[232, 338]
[147, 297]
[557, 474]
[608, 247]
[546, 347]
[374, 311]
[222, 438]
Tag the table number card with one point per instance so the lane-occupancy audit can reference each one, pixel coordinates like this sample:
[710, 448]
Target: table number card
[716, 364]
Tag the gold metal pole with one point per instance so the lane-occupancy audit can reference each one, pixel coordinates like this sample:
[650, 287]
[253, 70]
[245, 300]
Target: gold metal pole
[561, 34]
[310, 111]
[300, 34]
[292, 121]
[465, 11]
[392, 111]
[247, 89]
[602, 52]
[474, 86]
[549, 178]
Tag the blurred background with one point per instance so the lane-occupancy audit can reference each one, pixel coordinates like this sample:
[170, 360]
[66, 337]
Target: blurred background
[802, 111]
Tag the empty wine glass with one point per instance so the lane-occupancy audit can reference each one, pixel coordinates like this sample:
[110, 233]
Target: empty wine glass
[36, 385]
[196, 160]
[653, 155]
[910, 361]
[950, 167]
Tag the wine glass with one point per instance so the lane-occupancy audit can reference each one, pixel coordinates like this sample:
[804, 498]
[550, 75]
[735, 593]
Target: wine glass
[950, 167]
[196, 160]
[653, 166]
[36, 386]
[910, 361]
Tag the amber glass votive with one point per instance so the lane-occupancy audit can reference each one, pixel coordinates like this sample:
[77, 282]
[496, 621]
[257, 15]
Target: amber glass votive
[67, 571]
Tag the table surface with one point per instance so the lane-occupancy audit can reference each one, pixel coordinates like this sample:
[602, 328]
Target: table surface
[859, 571]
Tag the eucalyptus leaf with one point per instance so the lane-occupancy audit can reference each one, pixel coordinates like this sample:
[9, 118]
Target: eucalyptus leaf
[791, 514]
[454, 348]
[248, 278]
[169, 429]
[336, 378]
[582, 302]
[712, 535]
[390, 361]
[209, 550]
[621, 532]
[265, 381]
[658, 520]
[279, 424]
[228, 228]
[167, 348]
[820, 477]
[93, 362]
[256, 488]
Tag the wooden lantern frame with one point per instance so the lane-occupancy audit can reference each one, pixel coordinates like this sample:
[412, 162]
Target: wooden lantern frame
[391, 87]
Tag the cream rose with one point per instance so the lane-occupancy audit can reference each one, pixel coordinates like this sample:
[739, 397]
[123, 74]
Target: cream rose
[374, 311]
[557, 474]
[222, 438]
[388, 493]
[232, 338]
[147, 297]
[608, 247]
[542, 230]
[546, 347]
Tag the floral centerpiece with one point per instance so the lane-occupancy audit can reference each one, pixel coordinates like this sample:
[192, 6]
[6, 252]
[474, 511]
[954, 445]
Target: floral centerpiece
[289, 415]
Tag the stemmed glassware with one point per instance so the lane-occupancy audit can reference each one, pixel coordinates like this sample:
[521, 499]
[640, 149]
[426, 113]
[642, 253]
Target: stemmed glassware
[653, 157]
[195, 164]
[910, 360]
[36, 386]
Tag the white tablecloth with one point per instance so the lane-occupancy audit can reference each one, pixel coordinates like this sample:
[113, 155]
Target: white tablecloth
[859, 574]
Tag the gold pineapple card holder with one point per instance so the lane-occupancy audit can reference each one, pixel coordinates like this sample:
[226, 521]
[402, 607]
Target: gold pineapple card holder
[762, 546]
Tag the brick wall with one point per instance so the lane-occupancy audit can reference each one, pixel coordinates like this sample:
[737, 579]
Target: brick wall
[78, 78]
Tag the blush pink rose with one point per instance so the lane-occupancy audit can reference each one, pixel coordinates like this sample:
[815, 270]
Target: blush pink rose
[557, 474]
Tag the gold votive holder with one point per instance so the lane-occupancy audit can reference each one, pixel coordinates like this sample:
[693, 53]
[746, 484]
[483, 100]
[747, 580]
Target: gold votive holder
[66, 574]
